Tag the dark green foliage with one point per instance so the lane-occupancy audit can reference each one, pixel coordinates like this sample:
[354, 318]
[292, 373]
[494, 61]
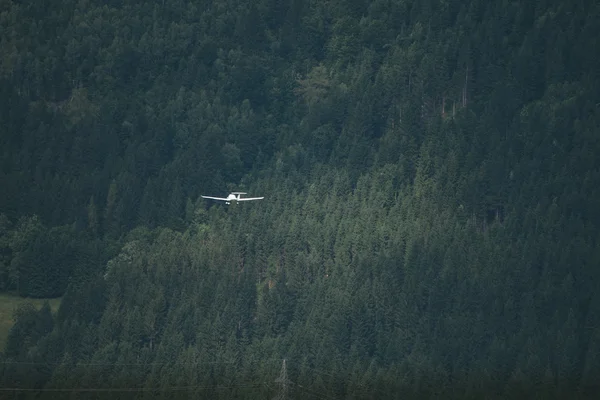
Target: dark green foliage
[41, 262]
[430, 226]
[30, 326]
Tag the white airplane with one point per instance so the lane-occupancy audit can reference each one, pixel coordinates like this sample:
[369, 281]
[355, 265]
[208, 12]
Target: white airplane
[234, 196]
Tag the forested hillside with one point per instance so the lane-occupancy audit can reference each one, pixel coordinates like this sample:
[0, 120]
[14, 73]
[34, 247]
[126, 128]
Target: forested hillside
[430, 227]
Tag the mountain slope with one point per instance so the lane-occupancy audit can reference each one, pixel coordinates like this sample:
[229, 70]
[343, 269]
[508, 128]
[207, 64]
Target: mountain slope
[429, 227]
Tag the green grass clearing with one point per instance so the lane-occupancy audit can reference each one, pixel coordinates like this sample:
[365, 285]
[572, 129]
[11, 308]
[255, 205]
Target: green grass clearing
[9, 303]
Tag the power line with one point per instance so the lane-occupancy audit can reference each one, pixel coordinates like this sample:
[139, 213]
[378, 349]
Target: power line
[302, 388]
[342, 376]
[314, 393]
[138, 389]
[76, 364]
[114, 364]
[282, 381]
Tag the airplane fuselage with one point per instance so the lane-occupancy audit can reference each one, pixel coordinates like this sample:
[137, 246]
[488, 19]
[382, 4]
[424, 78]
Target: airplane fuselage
[232, 197]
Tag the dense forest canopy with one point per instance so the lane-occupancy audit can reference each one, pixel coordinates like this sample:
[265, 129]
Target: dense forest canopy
[431, 218]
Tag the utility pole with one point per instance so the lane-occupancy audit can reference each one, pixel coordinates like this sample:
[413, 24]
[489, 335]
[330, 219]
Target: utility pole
[283, 383]
[464, 97]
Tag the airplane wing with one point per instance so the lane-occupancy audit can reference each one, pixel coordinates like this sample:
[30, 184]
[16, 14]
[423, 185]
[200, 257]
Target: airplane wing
[214, 198]
[251, 198]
